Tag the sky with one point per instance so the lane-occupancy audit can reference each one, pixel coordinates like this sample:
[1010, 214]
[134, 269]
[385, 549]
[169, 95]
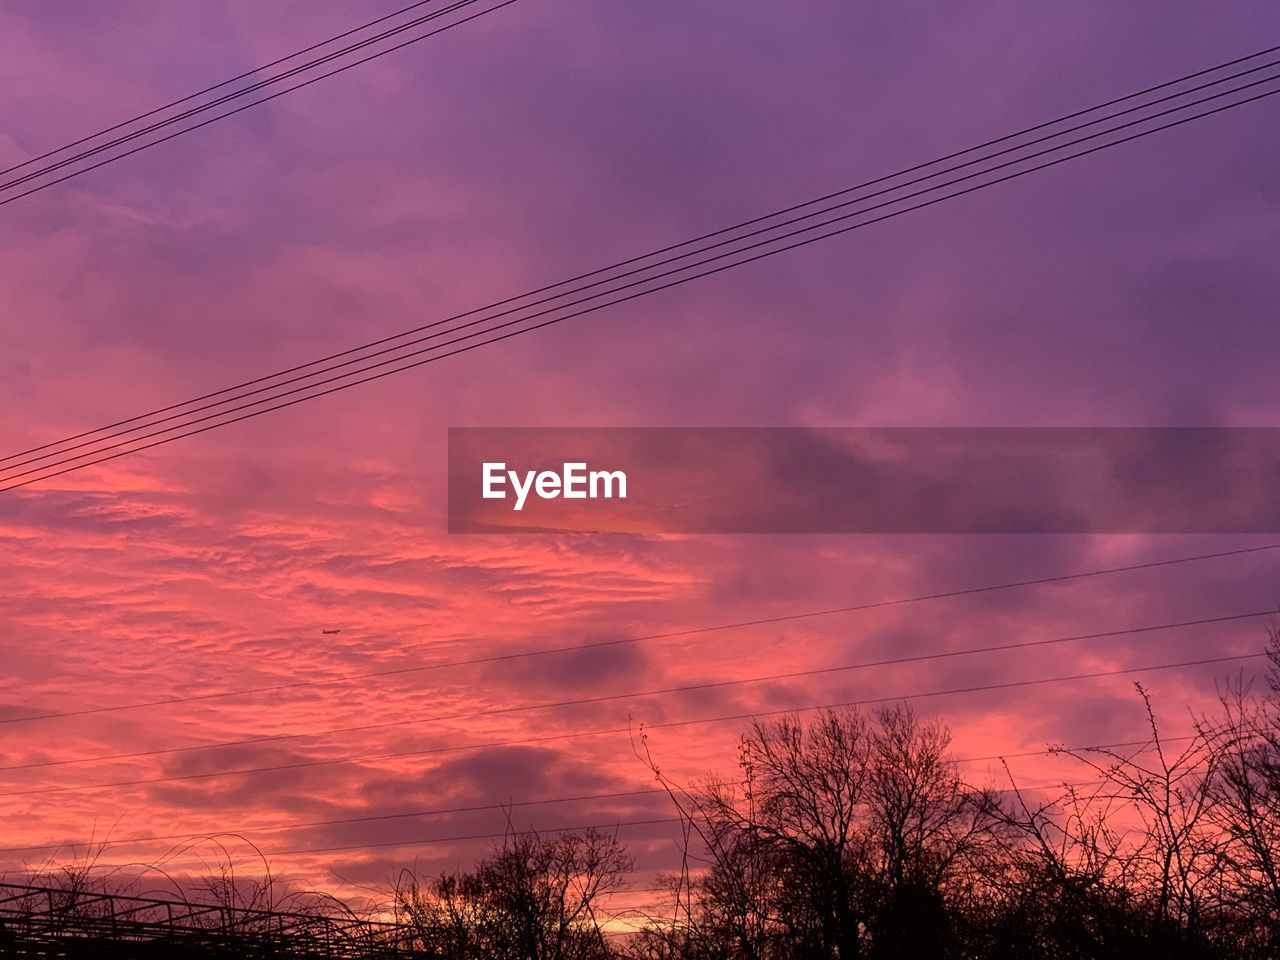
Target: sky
[1132, 288]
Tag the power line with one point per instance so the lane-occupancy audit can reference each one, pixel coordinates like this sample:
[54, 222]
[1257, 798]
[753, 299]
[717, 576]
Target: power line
[607, 293]
[424, 841]
[666, 724]
[217, 86]
[982, 688]
[1068, 750]
[611, 825]
[254, 103]
[80, 461]
[639, 694]
[226, 98]
[675, 634]
[342, 821]
[612, 279]
[633, 260]
[497, 836]
[258, 407]
[240, 830]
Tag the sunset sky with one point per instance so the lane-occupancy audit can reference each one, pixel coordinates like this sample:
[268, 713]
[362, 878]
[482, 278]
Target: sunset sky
[1137, 288]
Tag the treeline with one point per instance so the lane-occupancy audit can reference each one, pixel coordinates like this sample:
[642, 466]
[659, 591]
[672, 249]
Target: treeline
[857, 836]
[854, 835]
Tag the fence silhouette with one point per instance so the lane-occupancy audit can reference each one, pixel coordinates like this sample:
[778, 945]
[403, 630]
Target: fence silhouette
[39, 921]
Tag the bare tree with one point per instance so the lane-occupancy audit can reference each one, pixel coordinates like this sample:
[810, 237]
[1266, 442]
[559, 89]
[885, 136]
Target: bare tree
[1245, 736]
[1175, 860]
[930, 830]
[843, 838]
[534, 898]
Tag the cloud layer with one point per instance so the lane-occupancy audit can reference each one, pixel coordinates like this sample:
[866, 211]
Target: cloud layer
[1133, 288]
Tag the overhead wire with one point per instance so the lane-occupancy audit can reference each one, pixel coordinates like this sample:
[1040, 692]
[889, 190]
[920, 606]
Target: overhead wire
[15, 479]
[612, 279]
[13, 197]
[746, 223]
[241, 829]
[209, 89]
[614, 825]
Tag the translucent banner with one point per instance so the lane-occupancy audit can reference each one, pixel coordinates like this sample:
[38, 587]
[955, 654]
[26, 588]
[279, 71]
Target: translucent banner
[864, 480]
